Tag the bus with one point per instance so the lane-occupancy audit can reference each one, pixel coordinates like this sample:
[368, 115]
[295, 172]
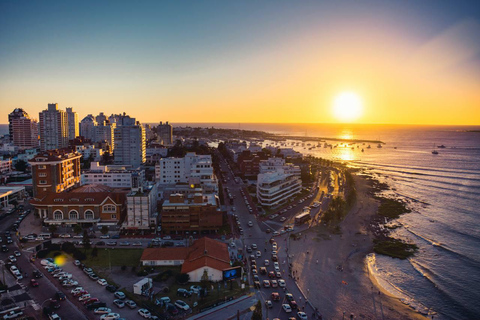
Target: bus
[302, 217]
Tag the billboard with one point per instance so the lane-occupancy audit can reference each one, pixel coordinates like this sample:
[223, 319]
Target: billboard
[232, 273]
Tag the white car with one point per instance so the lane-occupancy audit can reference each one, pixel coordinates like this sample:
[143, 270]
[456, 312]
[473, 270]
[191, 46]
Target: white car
[13, 314]
[110, 316]
[54, 316]
[276, 268]
[102, 282]
[76, 290]
[282, 219]
[302, 315]
[195, 289]
[286, 307]
[84, 297]
[17, 254]
[258, 254]
[281, 283]
[267, 263]
[144, 313]
[182, 305]
[102, 310]
[250, 223]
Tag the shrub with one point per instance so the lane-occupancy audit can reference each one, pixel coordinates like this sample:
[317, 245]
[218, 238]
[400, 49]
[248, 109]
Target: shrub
[68, 247]
[182, 278]
[79, 255]
[124, 268]
[42, 254]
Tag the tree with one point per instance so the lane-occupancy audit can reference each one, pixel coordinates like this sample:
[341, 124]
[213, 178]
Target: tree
[53, 228]
[257, 313]
[104, 230]
[94, 252]
[182, 278]
[21, 165]
[86, 241]
[77, 229]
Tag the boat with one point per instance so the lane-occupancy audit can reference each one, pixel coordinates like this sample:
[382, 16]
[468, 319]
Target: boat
[368, 147]
[379, 145]
[394, 147]
[441, 146]
[362, 150]
[434, 151]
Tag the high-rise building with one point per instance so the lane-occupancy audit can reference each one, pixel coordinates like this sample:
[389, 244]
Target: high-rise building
[104, 131]
[129, 142]
[53, 128]
[23, 130]
[87, 127]
[165, 133]
[55, 171]
[72, 122]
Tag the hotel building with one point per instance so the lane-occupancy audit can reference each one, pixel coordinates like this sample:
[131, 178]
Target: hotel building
[276, 187]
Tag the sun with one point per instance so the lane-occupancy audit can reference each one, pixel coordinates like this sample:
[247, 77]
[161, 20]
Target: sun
[347, 107]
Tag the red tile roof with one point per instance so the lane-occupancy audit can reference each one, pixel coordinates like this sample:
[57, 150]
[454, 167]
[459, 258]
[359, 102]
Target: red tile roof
[204, 252]
[82, 195]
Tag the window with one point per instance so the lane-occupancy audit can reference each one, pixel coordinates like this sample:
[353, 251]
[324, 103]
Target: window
[109, 208]
[89, 215]
[73, 215]
[114, 216]
[43, 181]
[42, 167]
[42, 175]
[58, 215]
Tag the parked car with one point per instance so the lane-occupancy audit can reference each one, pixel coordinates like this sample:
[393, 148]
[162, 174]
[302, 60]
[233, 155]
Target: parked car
[110, 316]
[102, 282]
[90, 301]
[286, 308]
[195, 289]
[184, 293]
[111, 288]
[144, 313]
[60, 296]
[33, 283]
[131, 304]
[119, 295]
[13, 314]
[96, 305]
[182, 305]
[84, 297]
[302, 315]
[102, 310]
[119, 303]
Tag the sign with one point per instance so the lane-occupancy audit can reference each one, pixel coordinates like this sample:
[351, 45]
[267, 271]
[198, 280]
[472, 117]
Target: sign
[232, 273]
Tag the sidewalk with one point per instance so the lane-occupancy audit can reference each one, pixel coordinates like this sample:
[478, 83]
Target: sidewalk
[227, 310]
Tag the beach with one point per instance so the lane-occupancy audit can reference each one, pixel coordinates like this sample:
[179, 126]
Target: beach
[332, 269]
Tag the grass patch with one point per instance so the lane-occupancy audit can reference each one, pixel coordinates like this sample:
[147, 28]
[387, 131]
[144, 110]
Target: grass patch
[394, 248]
[118, 257]
[392, 208]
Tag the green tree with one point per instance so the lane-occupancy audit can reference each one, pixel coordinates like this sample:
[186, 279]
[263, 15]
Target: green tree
[21, 165]
[182, 278]
[77, 229]
[104, 230]
[86, 241]
[257, 313]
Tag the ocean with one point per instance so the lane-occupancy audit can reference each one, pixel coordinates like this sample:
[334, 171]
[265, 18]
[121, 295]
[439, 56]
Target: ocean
[442, 190]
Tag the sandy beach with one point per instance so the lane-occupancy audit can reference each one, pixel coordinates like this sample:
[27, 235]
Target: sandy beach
[333, 272]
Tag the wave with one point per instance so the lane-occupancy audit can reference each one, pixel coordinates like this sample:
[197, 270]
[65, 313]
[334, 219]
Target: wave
[444, 247]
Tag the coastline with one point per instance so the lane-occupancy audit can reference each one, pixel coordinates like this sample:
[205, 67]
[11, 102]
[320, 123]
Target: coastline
[335, 271]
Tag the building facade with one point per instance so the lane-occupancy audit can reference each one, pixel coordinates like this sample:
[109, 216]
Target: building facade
[273, 164]
[53, 128]
[111, 175]
[23, 131]
[86, 206]
[129, 142]
[199, 213]
[55, 171]
[72, 123]
[142, 211]
[87, 127]
[277, 187]
[5, 166]
[165, 133]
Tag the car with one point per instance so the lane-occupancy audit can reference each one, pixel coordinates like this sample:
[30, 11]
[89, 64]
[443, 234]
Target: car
[119, 303]
[172, 309]
[77, 262]
[250, 223]
[37, 274]
[274, 246]
[137, 243]
[254, 271]
[274, 283]
[162, 301]
[271, 274]
[65, 235]
[111, 288]
[195, 289]
[102, 282]
[80, 293]
[54, 316]
[278, 274]
[124, 243]
[293, 304]
[54, 304]
[275, 233]
[33, 283]
[258, 254]
[110, 316]
[256, 284]
[268, 304]
[182, 305]
[87, 270]
[12, 258]
[286, 308]
[144, 313]
[4, 248]
[266, 283]
[17, 253]
[131, 304]
[276, 268]
[76, 290]
[90, 301]
[84, 297]
[100, 243]
[93, 276]
[111, 243]
[263, 270]
[119, 295]
[281, 283]
[102, 310]
[184, 293]
[275, 296]
[13, 314]
[254, 246]
[105, 236]
[249, 249]
[302, 315]
[289, 297]
[282, 219]
[96, 305]
[60, 296]
[274, 258]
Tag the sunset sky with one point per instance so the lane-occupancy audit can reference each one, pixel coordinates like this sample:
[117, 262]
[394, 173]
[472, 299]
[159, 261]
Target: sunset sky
[410, 62]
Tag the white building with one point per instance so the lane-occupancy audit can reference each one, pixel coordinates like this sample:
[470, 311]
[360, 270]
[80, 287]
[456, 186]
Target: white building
[72, 122]
[192, 169]
[129, 142]
[111, 175]
[274, 164]
[89, 150]
[276, 187]
[5, 166]
[153, 155]
[141, 208]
